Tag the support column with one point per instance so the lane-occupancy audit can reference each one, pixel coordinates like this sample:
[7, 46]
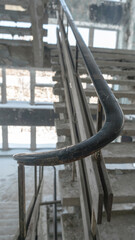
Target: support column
[37, 14]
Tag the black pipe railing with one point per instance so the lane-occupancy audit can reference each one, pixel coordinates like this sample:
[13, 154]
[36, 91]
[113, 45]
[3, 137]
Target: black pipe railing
[113, 113]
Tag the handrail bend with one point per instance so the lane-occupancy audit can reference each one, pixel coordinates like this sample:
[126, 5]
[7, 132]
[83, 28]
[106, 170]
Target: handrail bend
[110, 130]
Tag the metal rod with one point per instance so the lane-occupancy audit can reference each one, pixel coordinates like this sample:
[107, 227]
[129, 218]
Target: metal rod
[76, 58]
[51, 202]
[55, 206]
[22, 210]
[35, 180]
[3, 90]
[4, 137]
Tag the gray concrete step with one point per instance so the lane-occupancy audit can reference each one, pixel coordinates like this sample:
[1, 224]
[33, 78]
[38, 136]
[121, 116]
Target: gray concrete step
[122, 183]
[90, 92]
[72, 227]
[119, 153]
[69, 189]
[63, 128]
[60, 107]
[121, 227]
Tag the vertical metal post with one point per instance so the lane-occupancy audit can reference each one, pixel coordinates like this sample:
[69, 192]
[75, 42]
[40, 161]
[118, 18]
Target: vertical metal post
[22, 210]
[117, 39]
[62, 14]
[39, 175]
[91, 37]
[67, 29]
[32, 86]
[3, 89]
[76, 58]
[4, 137]
[42, 172]
[33, 138]
[55, 207]
[35, 180]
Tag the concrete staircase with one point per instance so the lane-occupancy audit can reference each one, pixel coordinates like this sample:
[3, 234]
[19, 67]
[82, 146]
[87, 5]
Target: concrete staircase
[118, 67]
[8, 220]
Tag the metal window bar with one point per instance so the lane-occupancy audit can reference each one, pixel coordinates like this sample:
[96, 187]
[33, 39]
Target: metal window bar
[4, 137]
[3, 88]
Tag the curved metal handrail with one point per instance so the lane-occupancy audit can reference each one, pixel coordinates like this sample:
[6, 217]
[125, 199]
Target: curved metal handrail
[110, 130]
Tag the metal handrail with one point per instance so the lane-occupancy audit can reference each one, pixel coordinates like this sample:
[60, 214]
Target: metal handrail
[114, 115]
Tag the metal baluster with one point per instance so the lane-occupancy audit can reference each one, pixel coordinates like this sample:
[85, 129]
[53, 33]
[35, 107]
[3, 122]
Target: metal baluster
[76, 58]
[3, 89]
[91, 37]
[55, 207]
[35, 180]
[22, 201]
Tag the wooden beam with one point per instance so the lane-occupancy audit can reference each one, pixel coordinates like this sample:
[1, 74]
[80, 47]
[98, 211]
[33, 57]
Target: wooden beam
[37, 12]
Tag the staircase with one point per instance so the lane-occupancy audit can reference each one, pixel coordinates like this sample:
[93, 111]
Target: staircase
[118, 68]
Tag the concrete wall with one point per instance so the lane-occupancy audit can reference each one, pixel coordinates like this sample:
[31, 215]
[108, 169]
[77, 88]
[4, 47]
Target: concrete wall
[20, 56]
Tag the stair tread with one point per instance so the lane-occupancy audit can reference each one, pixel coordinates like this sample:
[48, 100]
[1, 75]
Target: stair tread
[127, 108]
[121, 227]
[119, 153]
[68, 188]
[122, 182]
[6, 237]
[63, 128]
[72, 227]
[90, 92]
[123, 185]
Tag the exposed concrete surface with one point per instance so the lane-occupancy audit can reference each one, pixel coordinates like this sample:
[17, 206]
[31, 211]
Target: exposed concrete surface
[121, 227]
[72, 227]
[21, 56]
[69, 189]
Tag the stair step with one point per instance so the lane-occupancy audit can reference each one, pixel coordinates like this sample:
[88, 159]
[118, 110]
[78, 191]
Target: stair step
[105, 70]
[112, 72]
[122, 182]
[69, 189]
[7, 237]
[126, 82]
[90, 92]
[63, 128]
[121, 227]
[10, 222]
[123, 185]
[119, 153]
[8, 230]
[60, 107]
[102, 63]
[106, 54]
[72, 227]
